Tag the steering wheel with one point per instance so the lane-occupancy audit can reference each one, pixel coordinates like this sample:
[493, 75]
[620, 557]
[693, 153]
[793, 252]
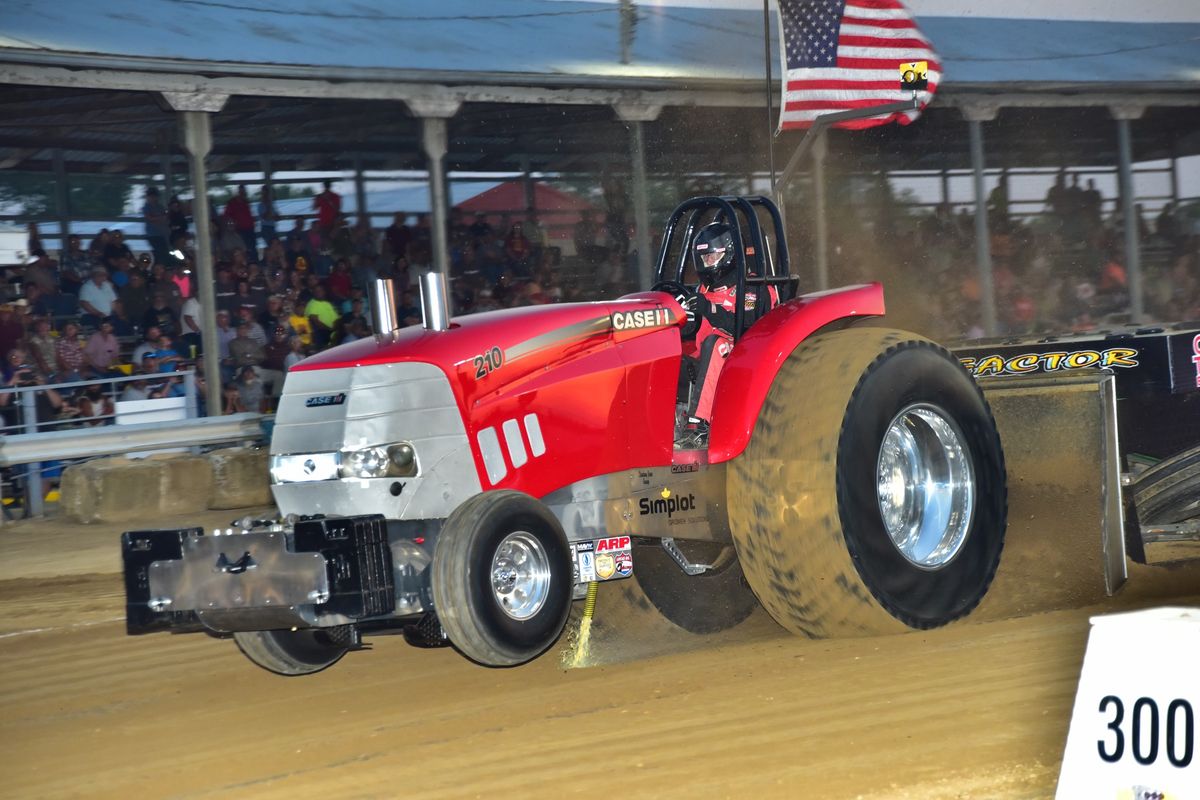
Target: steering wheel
[689, 298]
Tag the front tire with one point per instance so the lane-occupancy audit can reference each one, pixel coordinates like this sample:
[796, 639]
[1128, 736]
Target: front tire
[872, 496]
[502, 578]
[288, 652]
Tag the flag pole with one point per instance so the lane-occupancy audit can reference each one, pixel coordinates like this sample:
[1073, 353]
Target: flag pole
[767, 63]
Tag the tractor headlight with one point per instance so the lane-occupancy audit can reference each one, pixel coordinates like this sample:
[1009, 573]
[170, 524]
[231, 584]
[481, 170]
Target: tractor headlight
[380, 461]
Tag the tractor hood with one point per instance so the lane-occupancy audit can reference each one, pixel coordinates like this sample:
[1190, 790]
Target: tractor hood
[512, 341]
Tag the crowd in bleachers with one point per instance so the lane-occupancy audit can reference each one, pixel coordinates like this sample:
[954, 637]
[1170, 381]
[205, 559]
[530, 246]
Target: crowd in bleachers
[1061, 270]
[101, 311]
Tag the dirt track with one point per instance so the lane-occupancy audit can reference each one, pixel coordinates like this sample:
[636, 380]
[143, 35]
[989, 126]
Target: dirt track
[973, 711]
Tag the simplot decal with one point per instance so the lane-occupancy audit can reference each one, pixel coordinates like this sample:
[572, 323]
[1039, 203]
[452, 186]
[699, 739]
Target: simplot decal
[1025, 363]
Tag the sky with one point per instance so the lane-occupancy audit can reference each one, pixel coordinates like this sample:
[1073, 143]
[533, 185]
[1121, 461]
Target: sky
[1109, 10]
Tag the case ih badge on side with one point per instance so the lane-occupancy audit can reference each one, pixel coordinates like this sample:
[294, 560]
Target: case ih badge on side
[476, 476]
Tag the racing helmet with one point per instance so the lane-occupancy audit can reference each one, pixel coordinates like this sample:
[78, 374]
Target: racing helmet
[713, 251]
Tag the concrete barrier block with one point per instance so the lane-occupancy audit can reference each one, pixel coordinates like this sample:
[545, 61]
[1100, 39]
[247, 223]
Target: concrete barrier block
[111, 490]
[184, 484]
[240, 478]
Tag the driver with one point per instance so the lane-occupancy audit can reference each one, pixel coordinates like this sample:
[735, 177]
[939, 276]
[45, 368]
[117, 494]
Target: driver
[713, 252]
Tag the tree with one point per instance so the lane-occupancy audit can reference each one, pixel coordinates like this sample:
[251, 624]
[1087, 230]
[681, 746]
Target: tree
[95, 196]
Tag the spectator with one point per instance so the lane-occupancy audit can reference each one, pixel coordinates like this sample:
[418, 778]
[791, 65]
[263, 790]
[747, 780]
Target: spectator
[135, 296]
[397, 235]
[20, 372]
[225, 335]
[225, 290]
[518, 249]
[177, 221]
[74, 266]
[250, 392]
[102, 350]
[322, 317]
[257, 333]
[95, 407]
[274, 316]
[168, 357]
[158, 224]
[328, 205]
[191, 325]
[160, 316]
[96, 297]
[339, 282]
[350, 318]
[298, 322]
[244, 300]
[148, 345]
[274, 361]
[245, 351]
[238, 211]
[267, 216]
[297, 352]
[69, 355]
[480, 230]
[228, 239]
[116, 252]
[40, 345]
[43, 271]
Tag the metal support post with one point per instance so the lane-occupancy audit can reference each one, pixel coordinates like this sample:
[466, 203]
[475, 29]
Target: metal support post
[819, 151]
[527, 183]
[433, 139]
[360, 188]
[190, 403]
[983, 243]
[168, 179]
[35, 499]
[641, 208]
[62, 197]
[197, 139]
[1133, 266]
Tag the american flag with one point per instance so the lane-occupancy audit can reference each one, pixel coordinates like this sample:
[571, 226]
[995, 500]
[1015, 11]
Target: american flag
[842, 54]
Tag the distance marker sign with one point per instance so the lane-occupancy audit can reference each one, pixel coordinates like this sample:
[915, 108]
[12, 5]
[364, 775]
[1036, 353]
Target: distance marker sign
[1134, 731]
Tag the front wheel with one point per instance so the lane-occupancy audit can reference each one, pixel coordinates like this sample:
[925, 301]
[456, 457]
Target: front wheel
[872, 496]
[287, 652]
[502, 578]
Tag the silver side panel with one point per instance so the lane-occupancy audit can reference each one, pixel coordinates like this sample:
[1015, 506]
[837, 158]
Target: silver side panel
[655, 502]
[383, 403]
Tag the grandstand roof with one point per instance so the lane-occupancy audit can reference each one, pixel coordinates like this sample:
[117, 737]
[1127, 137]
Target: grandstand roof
[545, 42]
[310, 84]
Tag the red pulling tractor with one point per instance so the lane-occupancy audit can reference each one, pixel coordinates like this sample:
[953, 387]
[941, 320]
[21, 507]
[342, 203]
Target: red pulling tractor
[463, 482]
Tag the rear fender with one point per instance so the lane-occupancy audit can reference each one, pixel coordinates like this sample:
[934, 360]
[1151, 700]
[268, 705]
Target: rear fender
[756, 358]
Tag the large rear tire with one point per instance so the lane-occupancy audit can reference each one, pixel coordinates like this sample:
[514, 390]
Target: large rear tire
[710, 602]
[301, 652]
[872, 495]
[502, 578]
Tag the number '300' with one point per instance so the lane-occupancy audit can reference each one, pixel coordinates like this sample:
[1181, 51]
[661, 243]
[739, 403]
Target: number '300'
[1144, 726]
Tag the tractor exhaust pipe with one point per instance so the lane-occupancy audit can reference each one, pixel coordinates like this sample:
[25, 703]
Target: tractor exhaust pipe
[383, 307]
[435, 301]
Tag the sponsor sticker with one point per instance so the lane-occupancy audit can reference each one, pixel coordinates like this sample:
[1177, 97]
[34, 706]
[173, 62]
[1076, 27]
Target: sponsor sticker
[667, 503]
[606, 566]
[1061, 360]
[646, 318]
[613, 543]
[679, 469]
[624, 564]
[587, 567]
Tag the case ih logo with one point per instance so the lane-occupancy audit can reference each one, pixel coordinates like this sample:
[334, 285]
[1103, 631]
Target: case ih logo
[613, 543]
[325, 400]
[631, 320]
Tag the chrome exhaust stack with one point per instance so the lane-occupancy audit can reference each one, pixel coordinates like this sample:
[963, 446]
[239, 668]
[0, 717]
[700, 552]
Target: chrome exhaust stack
[383, 307]
[435, 301]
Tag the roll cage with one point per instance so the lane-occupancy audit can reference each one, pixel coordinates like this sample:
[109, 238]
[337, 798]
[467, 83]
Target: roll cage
[767, 268]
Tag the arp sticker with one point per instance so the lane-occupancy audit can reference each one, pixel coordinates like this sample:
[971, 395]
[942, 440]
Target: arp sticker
[624, 564]
[613, 543]
[606, 566]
